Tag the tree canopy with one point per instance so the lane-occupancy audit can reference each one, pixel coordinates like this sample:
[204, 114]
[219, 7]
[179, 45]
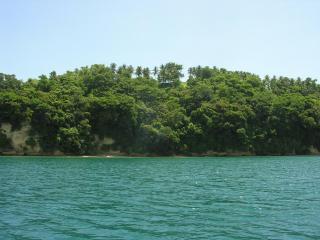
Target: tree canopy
[102, 108]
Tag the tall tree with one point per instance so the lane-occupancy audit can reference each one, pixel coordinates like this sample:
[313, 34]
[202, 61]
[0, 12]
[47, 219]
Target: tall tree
[170, 75]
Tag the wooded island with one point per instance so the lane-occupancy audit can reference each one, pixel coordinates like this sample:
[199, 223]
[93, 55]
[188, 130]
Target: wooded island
[102, 109]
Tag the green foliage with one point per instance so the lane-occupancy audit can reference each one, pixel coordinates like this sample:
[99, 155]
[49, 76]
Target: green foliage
[14, 108]
[169, 75]
[5, 143]
[100, 107]
[114, 116]
[9, 82]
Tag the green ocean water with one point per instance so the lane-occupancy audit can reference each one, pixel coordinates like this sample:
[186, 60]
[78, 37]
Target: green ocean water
[160, 198]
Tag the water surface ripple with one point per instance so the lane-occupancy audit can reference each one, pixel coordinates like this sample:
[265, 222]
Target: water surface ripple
[160, 198]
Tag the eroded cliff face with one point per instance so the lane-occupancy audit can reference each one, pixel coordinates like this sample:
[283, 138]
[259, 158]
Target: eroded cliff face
[102, 144]
[19, 141]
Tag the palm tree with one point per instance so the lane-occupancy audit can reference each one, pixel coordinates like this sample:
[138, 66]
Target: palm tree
[139, 71]
[113, 67]
[155, 71]
[146, 72]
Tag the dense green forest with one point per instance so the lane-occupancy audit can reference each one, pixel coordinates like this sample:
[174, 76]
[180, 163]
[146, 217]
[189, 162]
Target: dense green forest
[102, 109]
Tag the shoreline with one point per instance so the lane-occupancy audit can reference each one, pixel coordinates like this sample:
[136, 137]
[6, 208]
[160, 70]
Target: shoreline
[123, 155]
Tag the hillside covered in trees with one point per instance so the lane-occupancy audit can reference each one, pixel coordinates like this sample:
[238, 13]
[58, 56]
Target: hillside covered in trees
[102, 109]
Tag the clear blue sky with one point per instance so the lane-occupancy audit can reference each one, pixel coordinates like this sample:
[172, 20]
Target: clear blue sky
[265, 37]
